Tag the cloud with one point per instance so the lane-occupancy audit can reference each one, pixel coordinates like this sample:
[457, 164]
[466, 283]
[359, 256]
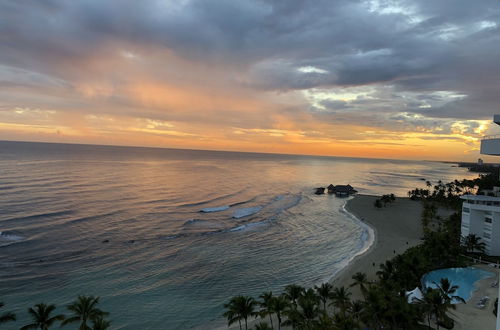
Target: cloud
[256, 66]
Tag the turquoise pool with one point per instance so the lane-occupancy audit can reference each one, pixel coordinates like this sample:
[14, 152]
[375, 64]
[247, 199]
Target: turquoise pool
[465, 278]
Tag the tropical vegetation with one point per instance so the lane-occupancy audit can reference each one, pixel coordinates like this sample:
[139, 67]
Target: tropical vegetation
[84, 311]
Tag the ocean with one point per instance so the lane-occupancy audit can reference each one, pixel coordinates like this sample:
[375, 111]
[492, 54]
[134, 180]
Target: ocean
[165, 237]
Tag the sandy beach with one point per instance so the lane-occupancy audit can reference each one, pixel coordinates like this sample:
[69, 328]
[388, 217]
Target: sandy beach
[397, 227]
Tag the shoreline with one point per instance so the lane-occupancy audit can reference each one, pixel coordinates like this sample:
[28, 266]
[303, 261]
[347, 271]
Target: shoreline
[395, 228]
[395, 224]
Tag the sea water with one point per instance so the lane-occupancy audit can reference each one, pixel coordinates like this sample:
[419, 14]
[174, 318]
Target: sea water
[165, 237]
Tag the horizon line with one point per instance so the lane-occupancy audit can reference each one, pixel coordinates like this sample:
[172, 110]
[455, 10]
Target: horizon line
[218, 150]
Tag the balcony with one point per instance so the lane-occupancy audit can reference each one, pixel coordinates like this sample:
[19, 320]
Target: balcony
[490, 145]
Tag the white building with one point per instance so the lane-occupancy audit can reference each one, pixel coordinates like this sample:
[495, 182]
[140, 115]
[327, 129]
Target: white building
[481, 213]
[481, 216]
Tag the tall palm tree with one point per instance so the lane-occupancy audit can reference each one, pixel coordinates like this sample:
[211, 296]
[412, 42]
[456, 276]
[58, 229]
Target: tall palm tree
[340, 298]
[293, 292]
[386, 271]
[356, 309]
[267, 306]
[361, 280]
[433, 304]
[310, 311]
[238, 308]
[262, 326]
[473, 243]
[84, 310]
[6, 317]
[41, 317]
[324, 292]
[448, 291]
[305, 316]
[280, 305]
[100, 324]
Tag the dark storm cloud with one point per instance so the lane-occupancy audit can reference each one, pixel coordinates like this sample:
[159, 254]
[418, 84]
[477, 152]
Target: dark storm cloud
[414, 46]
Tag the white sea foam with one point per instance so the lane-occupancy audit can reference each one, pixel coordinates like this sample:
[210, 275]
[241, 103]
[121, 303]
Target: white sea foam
[249, 225]
[10, 237]
[245, 212]
[215, 209]
[367, 238]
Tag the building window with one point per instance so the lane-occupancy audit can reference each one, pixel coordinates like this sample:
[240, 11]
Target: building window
[466, 210]
[487, 220]
[487, 235]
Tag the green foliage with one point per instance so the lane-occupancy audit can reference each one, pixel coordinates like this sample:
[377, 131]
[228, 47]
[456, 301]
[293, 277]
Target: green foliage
[84, 310]
[384, 200]
[472, 243]
[262, 326]
[41, 316]
[240, 308]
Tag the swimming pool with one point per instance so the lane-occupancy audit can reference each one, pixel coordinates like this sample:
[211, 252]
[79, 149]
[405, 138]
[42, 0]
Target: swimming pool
[463, 277]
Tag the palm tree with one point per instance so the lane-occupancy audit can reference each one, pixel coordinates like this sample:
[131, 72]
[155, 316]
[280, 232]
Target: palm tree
[41, 317]
[293, 292]
[356, 310]
[238, 308]
[340, 298]
[433, 304]
[100, 324]
[472, 243]
[280, 305]
[84, 310]
[6, 317]
[361, 280]
[448, 290]
[324, 292]
[386, 271]
[262, 326]
[343, 322]
[267, 306]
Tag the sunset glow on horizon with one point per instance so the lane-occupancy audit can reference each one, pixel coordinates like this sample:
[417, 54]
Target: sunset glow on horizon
[343, 78]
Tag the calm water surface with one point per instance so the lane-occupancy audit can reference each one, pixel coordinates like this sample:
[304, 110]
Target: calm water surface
[165, 236]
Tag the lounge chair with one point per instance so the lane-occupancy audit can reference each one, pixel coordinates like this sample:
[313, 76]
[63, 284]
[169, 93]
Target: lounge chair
[494, 284]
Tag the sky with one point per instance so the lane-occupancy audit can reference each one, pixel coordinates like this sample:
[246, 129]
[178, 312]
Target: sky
[384, 79]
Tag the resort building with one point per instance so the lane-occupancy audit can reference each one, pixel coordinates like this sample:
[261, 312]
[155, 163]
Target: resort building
[481, 213]
[481, 217]
[490, 145]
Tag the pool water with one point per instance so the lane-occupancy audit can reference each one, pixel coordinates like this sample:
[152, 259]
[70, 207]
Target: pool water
[465, 278]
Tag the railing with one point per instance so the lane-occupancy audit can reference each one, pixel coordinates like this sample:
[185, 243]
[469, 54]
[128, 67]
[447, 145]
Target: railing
[491, 137]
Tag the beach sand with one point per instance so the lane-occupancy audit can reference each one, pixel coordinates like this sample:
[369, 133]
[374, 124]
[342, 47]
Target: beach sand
[397, 227]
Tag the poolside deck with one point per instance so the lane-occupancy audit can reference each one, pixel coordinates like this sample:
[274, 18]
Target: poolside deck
[469, 316]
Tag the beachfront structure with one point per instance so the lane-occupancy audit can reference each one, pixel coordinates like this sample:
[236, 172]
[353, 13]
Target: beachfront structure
[481, 213]
[483, 210]
[481, 217]
[490, 145]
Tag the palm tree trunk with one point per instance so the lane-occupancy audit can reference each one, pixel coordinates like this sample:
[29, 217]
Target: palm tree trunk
[271, 319]
[239, 321]
[246, 326]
